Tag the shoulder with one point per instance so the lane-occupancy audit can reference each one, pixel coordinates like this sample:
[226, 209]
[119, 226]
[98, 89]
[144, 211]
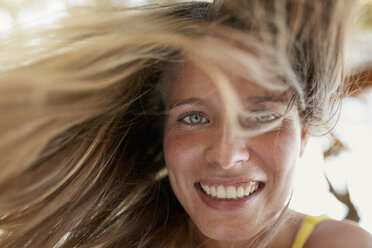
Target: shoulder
[341, 234]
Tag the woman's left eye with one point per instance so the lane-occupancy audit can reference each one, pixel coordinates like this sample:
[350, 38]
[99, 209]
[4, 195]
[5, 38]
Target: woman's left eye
[194, 119]
[267, 117]
[259, 118]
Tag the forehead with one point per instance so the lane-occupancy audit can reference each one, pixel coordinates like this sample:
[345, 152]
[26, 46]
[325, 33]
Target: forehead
[190, 81]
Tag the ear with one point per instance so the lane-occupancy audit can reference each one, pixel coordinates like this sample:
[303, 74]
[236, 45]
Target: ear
[304, 139]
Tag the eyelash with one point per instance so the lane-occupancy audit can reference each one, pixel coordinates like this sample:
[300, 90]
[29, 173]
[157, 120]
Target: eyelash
[254, 120]
[275, 116]
[185, 115]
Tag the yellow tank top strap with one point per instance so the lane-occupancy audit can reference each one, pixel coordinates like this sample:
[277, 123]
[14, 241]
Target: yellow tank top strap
[307, 227]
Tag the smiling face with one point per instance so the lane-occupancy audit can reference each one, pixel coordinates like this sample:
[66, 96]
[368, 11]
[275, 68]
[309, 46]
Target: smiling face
[232, 186]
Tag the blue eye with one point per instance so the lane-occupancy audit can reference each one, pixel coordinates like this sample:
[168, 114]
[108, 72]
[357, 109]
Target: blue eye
[194, 118]
[259, 119]
[266, 117]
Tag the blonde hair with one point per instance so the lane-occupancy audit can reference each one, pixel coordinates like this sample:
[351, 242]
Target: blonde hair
[81, 113]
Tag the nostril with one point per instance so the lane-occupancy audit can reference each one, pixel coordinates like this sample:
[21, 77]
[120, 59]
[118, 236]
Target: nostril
[229, 160]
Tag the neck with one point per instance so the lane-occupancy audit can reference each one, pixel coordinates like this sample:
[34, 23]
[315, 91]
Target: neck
[225, 244]
[257, 241]
[283, 235]
[287, 234]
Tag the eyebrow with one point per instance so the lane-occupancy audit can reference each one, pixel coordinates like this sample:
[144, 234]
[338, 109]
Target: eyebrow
[249, 100]
[196, 101]
[263, 99]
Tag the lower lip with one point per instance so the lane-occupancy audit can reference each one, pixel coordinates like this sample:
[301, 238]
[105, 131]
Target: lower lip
[226, 204]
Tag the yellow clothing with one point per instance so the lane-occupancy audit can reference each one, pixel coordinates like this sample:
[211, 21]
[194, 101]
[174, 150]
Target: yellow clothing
[307, 227]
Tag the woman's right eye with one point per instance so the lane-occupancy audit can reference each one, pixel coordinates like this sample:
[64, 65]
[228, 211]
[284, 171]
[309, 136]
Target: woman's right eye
[194, 119]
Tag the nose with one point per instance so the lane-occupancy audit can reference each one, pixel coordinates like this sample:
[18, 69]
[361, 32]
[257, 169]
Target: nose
[226, 148]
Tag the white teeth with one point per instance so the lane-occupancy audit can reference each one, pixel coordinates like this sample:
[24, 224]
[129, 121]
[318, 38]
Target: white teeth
[230, 192]
[240, 192]
[253, 188]
[247, 190]
[221, 192]
[207, 190]
[213, 191]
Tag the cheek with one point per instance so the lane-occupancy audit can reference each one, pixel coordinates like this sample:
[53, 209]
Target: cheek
[182, 154]
[182, 159]
[285, 155]
[279, 152]
[282, 149]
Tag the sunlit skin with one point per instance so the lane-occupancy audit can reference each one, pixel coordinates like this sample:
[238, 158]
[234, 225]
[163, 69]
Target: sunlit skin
[200, 145]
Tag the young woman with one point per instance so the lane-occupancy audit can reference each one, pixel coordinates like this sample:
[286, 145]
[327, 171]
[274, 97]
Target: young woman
[174, 125]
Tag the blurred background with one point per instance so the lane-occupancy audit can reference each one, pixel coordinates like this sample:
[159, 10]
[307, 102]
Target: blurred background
[335, 173]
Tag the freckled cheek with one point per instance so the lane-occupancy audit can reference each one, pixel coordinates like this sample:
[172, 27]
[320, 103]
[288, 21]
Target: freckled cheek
[280, 159]
[181, 158]
[286, 155]
[181, 153]
[281, 153]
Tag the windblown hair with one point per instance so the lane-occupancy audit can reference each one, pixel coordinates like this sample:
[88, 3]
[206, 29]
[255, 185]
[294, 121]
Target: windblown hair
[81, 114]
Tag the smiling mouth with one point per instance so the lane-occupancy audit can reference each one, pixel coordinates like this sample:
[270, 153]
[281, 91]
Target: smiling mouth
[230, 192]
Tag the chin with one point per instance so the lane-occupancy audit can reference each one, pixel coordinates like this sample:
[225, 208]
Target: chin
[228, 233]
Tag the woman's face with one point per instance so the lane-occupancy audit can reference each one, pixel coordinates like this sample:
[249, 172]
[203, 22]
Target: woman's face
[231, 185]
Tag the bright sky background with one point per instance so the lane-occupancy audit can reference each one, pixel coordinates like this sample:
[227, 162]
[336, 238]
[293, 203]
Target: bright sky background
[352, 168]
